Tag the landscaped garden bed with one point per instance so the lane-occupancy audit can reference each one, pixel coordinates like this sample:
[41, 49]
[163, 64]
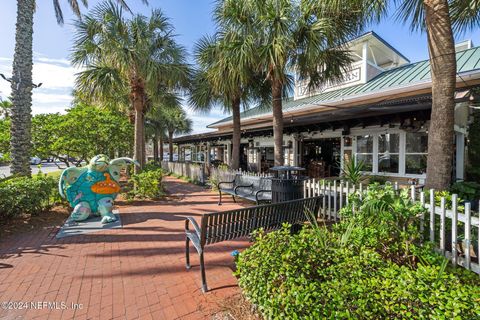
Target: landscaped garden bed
[373, 264]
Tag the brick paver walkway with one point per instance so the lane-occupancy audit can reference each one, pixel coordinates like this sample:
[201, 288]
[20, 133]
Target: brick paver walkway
[137, 272]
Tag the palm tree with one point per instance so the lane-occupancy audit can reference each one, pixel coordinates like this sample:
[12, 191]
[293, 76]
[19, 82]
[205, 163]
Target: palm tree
[156, 125]
[284, 35]
[21, 82]
[5, 108]
[221, 82]
[177, 123]
[135, 57]
[438, 18]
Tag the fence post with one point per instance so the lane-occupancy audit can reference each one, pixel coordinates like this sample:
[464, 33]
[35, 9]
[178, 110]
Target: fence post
[396, 186]
[335, 199]
[412, 192]
[422, 217]
[347, 193]
[329, 199]
[454, 228]
[442, 225]
[324, 199]
[468, 225]
[432, 215]
[341, 194]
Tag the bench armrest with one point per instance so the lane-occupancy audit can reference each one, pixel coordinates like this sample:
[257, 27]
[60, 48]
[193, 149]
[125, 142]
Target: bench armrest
[225, 182]
[261, 191]
[243, 186]
[194, 224]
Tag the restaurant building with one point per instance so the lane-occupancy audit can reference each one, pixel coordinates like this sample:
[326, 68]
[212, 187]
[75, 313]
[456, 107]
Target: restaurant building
[379, 114]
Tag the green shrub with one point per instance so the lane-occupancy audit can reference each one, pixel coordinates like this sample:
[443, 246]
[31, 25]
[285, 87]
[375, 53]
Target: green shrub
[25, 195]
[466, 190]
[373, 264]
[317, 274]
[145, 185]
[152, 166]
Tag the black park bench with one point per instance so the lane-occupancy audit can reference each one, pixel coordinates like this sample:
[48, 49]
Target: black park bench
[253, 188]
[228, 225]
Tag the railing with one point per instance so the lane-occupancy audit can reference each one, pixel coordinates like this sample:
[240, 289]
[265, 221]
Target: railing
[221, 173]
[460, 218]
[195, 172]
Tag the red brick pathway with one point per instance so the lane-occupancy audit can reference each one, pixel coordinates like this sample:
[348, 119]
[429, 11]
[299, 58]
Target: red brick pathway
[137, 272]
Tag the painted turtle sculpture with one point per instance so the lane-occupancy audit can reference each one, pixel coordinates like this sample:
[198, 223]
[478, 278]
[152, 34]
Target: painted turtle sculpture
[91, 190]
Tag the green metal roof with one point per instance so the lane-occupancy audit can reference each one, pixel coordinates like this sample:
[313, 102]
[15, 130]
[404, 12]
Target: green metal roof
[408, 74]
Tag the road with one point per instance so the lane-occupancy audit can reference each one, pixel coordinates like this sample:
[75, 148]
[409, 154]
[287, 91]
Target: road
[46, 167]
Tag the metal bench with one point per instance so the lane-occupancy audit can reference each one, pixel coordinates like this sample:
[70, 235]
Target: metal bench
[228, 225]
[257, 189]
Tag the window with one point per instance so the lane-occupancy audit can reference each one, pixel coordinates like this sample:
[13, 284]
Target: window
[416, 147]
[365, 151]
[388, 152]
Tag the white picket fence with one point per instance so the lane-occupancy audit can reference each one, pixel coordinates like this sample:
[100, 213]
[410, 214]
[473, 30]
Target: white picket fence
[460, 252]
[196, 172]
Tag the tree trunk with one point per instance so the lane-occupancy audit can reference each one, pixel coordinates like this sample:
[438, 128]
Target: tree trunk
[170, 145]
[160, 146]
[236, 135]
[21, 119]
[155, 148]
[277, 121]
[443, 68]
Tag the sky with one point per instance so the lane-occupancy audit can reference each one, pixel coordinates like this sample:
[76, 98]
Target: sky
[191, 19]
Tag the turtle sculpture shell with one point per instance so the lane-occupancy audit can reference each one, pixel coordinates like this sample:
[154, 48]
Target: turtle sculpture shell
[92, 183]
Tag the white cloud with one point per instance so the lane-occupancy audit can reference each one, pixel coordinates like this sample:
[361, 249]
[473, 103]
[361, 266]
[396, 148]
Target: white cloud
[58, 76]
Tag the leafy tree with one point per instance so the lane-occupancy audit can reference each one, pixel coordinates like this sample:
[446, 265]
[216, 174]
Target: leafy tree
[81, 133]
[279, 35]
[21, 81]
[4, 139]
[136, 58]
[221, 80]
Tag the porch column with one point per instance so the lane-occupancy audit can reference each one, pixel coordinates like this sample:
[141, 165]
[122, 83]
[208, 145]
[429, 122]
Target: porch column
[229, 154]
[460, 156]
[207, 155]
[295, 150]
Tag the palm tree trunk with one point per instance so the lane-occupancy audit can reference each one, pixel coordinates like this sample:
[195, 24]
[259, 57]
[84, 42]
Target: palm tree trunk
[155, 148]
[137, 102]
[170, 145]
[443, 68]
[160, 146]
[236, 135]
[21, 119]
[277, 121]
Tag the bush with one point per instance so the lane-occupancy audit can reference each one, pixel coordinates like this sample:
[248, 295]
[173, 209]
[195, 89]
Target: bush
[371, 265]
[152, 166]
[145, 185]
[315, 275]
[25, 195]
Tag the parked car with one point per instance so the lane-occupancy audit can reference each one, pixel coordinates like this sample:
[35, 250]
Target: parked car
[35, 160]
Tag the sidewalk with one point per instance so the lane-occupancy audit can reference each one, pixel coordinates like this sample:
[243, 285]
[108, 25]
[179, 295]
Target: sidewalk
[136, 272]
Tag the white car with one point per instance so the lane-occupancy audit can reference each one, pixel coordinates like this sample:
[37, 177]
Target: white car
[35, 160]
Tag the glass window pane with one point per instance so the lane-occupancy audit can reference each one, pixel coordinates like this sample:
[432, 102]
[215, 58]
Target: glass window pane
[365, 144]
[367, 161]
[416, 163]
[388, 163]
[417, 142]
[388, 143]
[347, 141]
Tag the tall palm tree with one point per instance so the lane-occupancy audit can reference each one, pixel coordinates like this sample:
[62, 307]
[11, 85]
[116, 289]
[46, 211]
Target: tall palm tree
[220, 81]
[21, 82]
[288, 34]
[135, 57]
[177, 123]
[438, 18]
[156, 125]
